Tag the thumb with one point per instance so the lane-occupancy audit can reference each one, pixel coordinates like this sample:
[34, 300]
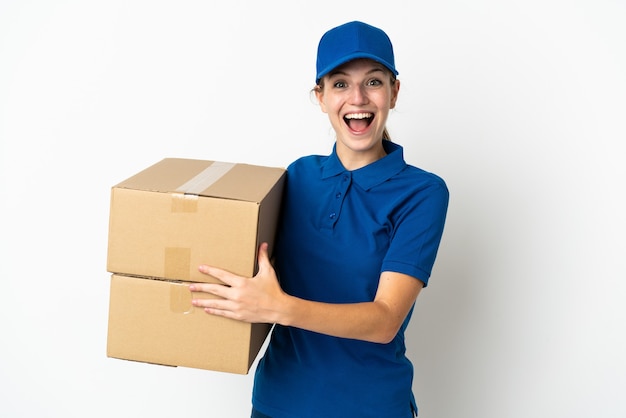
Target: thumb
[263, 257]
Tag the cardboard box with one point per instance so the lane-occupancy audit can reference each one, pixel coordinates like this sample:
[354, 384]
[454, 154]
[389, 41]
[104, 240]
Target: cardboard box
[153, 321]
[177, 214]
[164, 222]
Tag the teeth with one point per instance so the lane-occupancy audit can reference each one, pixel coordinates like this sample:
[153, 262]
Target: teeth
[359, 115]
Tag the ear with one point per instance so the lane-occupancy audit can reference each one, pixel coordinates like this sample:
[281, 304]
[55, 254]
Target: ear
[395, 89]
[319, 95]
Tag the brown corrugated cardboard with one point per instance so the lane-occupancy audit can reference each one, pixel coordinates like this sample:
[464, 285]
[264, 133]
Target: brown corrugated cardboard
[180, 213]
[153, 321]
[164, 222]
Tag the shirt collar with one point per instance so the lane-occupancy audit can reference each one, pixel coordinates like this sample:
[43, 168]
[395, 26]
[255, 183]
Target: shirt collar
[372, 174]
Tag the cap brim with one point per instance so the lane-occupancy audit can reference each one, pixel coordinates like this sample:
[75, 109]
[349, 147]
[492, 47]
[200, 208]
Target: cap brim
[350, 57]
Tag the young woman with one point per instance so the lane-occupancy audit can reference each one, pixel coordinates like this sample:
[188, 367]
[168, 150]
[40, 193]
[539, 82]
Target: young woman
[358, 238]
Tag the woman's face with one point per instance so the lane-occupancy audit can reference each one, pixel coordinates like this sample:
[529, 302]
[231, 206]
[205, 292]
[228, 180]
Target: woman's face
[357, 97]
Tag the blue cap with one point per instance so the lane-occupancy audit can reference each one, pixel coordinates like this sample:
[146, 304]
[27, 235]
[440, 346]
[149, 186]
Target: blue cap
[351, 41]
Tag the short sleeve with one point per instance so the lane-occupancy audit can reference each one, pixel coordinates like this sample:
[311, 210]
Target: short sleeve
[418, 225]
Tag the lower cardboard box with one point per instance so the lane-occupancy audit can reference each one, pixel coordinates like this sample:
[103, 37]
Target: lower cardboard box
[153, 321]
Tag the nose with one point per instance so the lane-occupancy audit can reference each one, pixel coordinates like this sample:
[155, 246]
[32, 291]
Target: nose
[359, 95]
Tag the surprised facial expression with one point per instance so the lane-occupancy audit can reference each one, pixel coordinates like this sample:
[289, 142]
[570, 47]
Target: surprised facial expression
[357, 97]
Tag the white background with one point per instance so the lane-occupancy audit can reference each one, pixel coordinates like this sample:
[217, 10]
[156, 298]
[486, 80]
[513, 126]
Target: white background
[519, 105]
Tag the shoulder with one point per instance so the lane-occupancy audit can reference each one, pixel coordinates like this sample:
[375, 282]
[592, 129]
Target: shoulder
[419, 179]
[306, 168]
[408, 175]
[416, 193]
[307, 162]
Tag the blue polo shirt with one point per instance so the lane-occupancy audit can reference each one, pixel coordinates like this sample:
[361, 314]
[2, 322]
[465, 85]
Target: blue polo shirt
[339, 231]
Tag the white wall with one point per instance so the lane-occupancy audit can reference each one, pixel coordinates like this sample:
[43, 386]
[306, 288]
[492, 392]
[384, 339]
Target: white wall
[520, 106]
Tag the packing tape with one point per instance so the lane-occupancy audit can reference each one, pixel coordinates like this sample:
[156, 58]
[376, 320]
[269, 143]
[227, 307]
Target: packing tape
[206, 178]
[177, 262]
[184, 203]
[180, 298]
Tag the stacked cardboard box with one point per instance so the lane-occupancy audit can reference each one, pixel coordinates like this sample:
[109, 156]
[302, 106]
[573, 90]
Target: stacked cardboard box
[164, 222]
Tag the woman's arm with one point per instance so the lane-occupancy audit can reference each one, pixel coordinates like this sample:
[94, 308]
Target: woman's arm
[260, 299]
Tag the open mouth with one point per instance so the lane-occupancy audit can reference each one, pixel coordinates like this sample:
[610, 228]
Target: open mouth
[358, 121]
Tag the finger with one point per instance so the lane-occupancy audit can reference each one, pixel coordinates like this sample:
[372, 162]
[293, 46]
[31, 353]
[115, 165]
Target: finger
[223, 312]
[222, 275]
[213, 304]
[263, 257]
[198, 287]
[218, 307]
[215, 290]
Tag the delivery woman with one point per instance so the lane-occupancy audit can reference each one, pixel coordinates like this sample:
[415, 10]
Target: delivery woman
[359, 232]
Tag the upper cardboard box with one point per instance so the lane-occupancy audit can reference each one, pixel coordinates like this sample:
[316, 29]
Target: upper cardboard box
[179, 213]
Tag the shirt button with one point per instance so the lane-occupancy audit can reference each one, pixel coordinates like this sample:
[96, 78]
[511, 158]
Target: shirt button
[338, 195]
[332, 215]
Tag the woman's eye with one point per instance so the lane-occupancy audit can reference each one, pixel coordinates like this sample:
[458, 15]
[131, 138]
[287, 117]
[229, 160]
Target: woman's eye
[374, 82]
[339, 84]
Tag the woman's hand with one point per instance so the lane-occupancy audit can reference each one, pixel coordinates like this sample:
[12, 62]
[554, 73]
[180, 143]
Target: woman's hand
[261, 299]
[255, 299]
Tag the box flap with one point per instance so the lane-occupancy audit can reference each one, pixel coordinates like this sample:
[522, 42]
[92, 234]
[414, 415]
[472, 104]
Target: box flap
[206, 178]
